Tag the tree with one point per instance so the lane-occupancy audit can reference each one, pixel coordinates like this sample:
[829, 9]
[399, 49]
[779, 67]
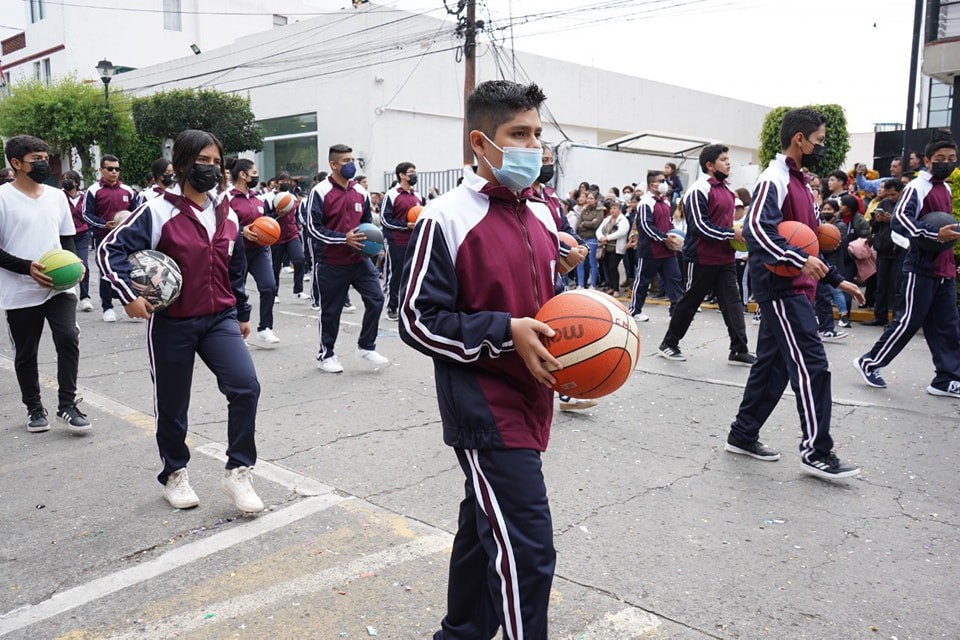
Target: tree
[227, 116]
[837, 142]
[68, 114]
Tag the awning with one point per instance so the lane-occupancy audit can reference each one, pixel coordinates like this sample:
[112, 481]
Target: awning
[657, 142]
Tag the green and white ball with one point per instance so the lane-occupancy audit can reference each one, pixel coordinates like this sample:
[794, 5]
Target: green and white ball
[63, 267]
[738, 246]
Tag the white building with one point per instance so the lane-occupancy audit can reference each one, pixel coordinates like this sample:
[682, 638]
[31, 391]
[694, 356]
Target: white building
[388, 83]
[63, 38]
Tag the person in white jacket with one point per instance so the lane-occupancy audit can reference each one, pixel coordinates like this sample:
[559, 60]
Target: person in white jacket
[612, 236]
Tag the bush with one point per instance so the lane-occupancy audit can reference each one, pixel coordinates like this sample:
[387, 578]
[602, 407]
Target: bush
[837, 142]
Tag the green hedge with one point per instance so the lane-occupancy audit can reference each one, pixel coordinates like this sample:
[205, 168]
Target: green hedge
[837, 142]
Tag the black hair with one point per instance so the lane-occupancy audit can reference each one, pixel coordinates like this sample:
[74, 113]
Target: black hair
[496, 101]
[109, 157]
[229, 163]
[6, 172]
[583, 185]
[595, 188]
[653, 174]
[242, 165]
[745, 197]
[186, 148]
[941, 140]
[283, 175]
[320, 177]
[19, 146]
[850, 202]
[73, 175]
[359, 178]
[834, 204]
[337, 150]
[673, 167]
[616, 191]
[839, 175]
[894, 184]
[710, 153]
[795, 121]
[158, 167]
[403, 167]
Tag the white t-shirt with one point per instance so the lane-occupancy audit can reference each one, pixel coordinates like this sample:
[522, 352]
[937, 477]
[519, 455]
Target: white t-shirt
[29, 227]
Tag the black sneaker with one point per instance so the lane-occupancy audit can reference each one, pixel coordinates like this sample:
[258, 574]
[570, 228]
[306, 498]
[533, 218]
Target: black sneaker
[872, 378]
[844, 321]
[829, 467]
[832, 336]
[756, 449]
[745, 359]
[392, 314]
[37, 420]
[671, 353]
[951, 391]
[876, 322]
[76, 420]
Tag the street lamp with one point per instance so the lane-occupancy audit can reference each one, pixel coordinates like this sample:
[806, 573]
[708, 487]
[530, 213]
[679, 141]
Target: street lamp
[106, 70]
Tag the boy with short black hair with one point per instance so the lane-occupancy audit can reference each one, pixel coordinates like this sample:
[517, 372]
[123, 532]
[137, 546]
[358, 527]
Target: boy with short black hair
[788, 347]
[35, 219]
[397, 230]
[928, 297]
[490, 364]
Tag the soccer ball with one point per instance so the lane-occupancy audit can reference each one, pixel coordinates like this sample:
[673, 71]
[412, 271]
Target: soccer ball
[156, 277]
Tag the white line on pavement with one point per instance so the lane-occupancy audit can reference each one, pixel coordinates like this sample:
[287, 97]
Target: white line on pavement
[271, 596]
[179, 557]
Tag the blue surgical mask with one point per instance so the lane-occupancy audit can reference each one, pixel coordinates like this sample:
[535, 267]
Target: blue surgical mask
[520, 166]
[348, 171]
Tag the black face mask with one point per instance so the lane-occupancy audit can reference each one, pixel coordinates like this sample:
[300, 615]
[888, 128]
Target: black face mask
[720, 176]
[166, 180]
[68, 185]
[942, 170]
[412, 179]
[204, 177]
[252, 182]
[39, 171]
[284, 186]
[810, 160]
[546, 173]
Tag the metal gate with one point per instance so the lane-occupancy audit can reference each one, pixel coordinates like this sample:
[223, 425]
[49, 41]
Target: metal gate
[442, 181]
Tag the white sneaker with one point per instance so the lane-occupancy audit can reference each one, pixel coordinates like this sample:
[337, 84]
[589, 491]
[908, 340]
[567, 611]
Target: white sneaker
[574, 404]
[266, 336]
[372, 358]
[349, 308]
[306, 277]
[302, 296]
[86, 305]
[330, 365]
[276, 300]
[109, 316]
[315, 307]
[288, 269]
[237, 484]
[641, 317]
[178, 492]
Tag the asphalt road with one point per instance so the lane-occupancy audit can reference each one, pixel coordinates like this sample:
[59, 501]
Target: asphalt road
[660, 533]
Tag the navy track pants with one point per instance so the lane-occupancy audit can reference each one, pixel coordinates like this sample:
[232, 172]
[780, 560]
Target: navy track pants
[334, 282]
[260, 266]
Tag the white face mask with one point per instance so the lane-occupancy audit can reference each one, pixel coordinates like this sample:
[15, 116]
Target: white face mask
[663, 188]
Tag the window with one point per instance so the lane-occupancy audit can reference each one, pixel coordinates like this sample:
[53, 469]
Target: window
[46, 71]
[37, 11]
[940, 105]
[172, 18]
[289, 144]
[279, 21]
[36, 70]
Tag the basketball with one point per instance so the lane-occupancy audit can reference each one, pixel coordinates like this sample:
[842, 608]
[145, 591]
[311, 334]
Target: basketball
[156, 277]
[828, 236]
[373, 245]
[413, 213]
[266, 229]
[596, 340]
[937, 219]
[563, 266]
[738, 246]
[678, 233]
[284, 202]
[800, 236]
[63, 267]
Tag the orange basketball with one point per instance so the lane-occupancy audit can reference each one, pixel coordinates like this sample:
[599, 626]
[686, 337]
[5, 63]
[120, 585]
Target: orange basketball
[266, 229]
[284, 202]
[828, 235]
[596, 340]
[413, 213]
[800, 236]
[566, 239]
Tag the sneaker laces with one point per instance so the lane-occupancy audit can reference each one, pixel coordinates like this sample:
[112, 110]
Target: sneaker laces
[74, 409]
[953, 387]
[38, 412]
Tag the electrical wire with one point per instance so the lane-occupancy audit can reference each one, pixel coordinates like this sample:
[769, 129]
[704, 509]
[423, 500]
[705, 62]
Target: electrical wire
[119, 7]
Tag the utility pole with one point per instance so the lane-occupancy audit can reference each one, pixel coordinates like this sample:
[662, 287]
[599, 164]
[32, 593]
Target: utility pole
[469, 72]
[912, 90]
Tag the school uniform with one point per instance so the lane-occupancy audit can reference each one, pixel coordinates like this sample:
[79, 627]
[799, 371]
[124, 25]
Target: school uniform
[81, 240]
[29, 227]
[100, 204]
[204, 320]
[495, 414]
[653, 223]
[788, 346]
[711, 262]
[333, 211]
[549, 197]
[396, 203]
[248, 207]
[928, 293]
[148, 194]
[288, 248]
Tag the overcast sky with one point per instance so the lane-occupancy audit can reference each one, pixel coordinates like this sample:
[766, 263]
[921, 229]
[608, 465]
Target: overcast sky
[773, 52]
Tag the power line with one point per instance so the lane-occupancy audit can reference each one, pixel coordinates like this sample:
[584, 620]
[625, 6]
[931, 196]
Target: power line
[119, 7]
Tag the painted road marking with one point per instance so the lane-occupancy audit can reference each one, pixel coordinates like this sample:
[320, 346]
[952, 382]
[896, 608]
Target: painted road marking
[294, 588]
